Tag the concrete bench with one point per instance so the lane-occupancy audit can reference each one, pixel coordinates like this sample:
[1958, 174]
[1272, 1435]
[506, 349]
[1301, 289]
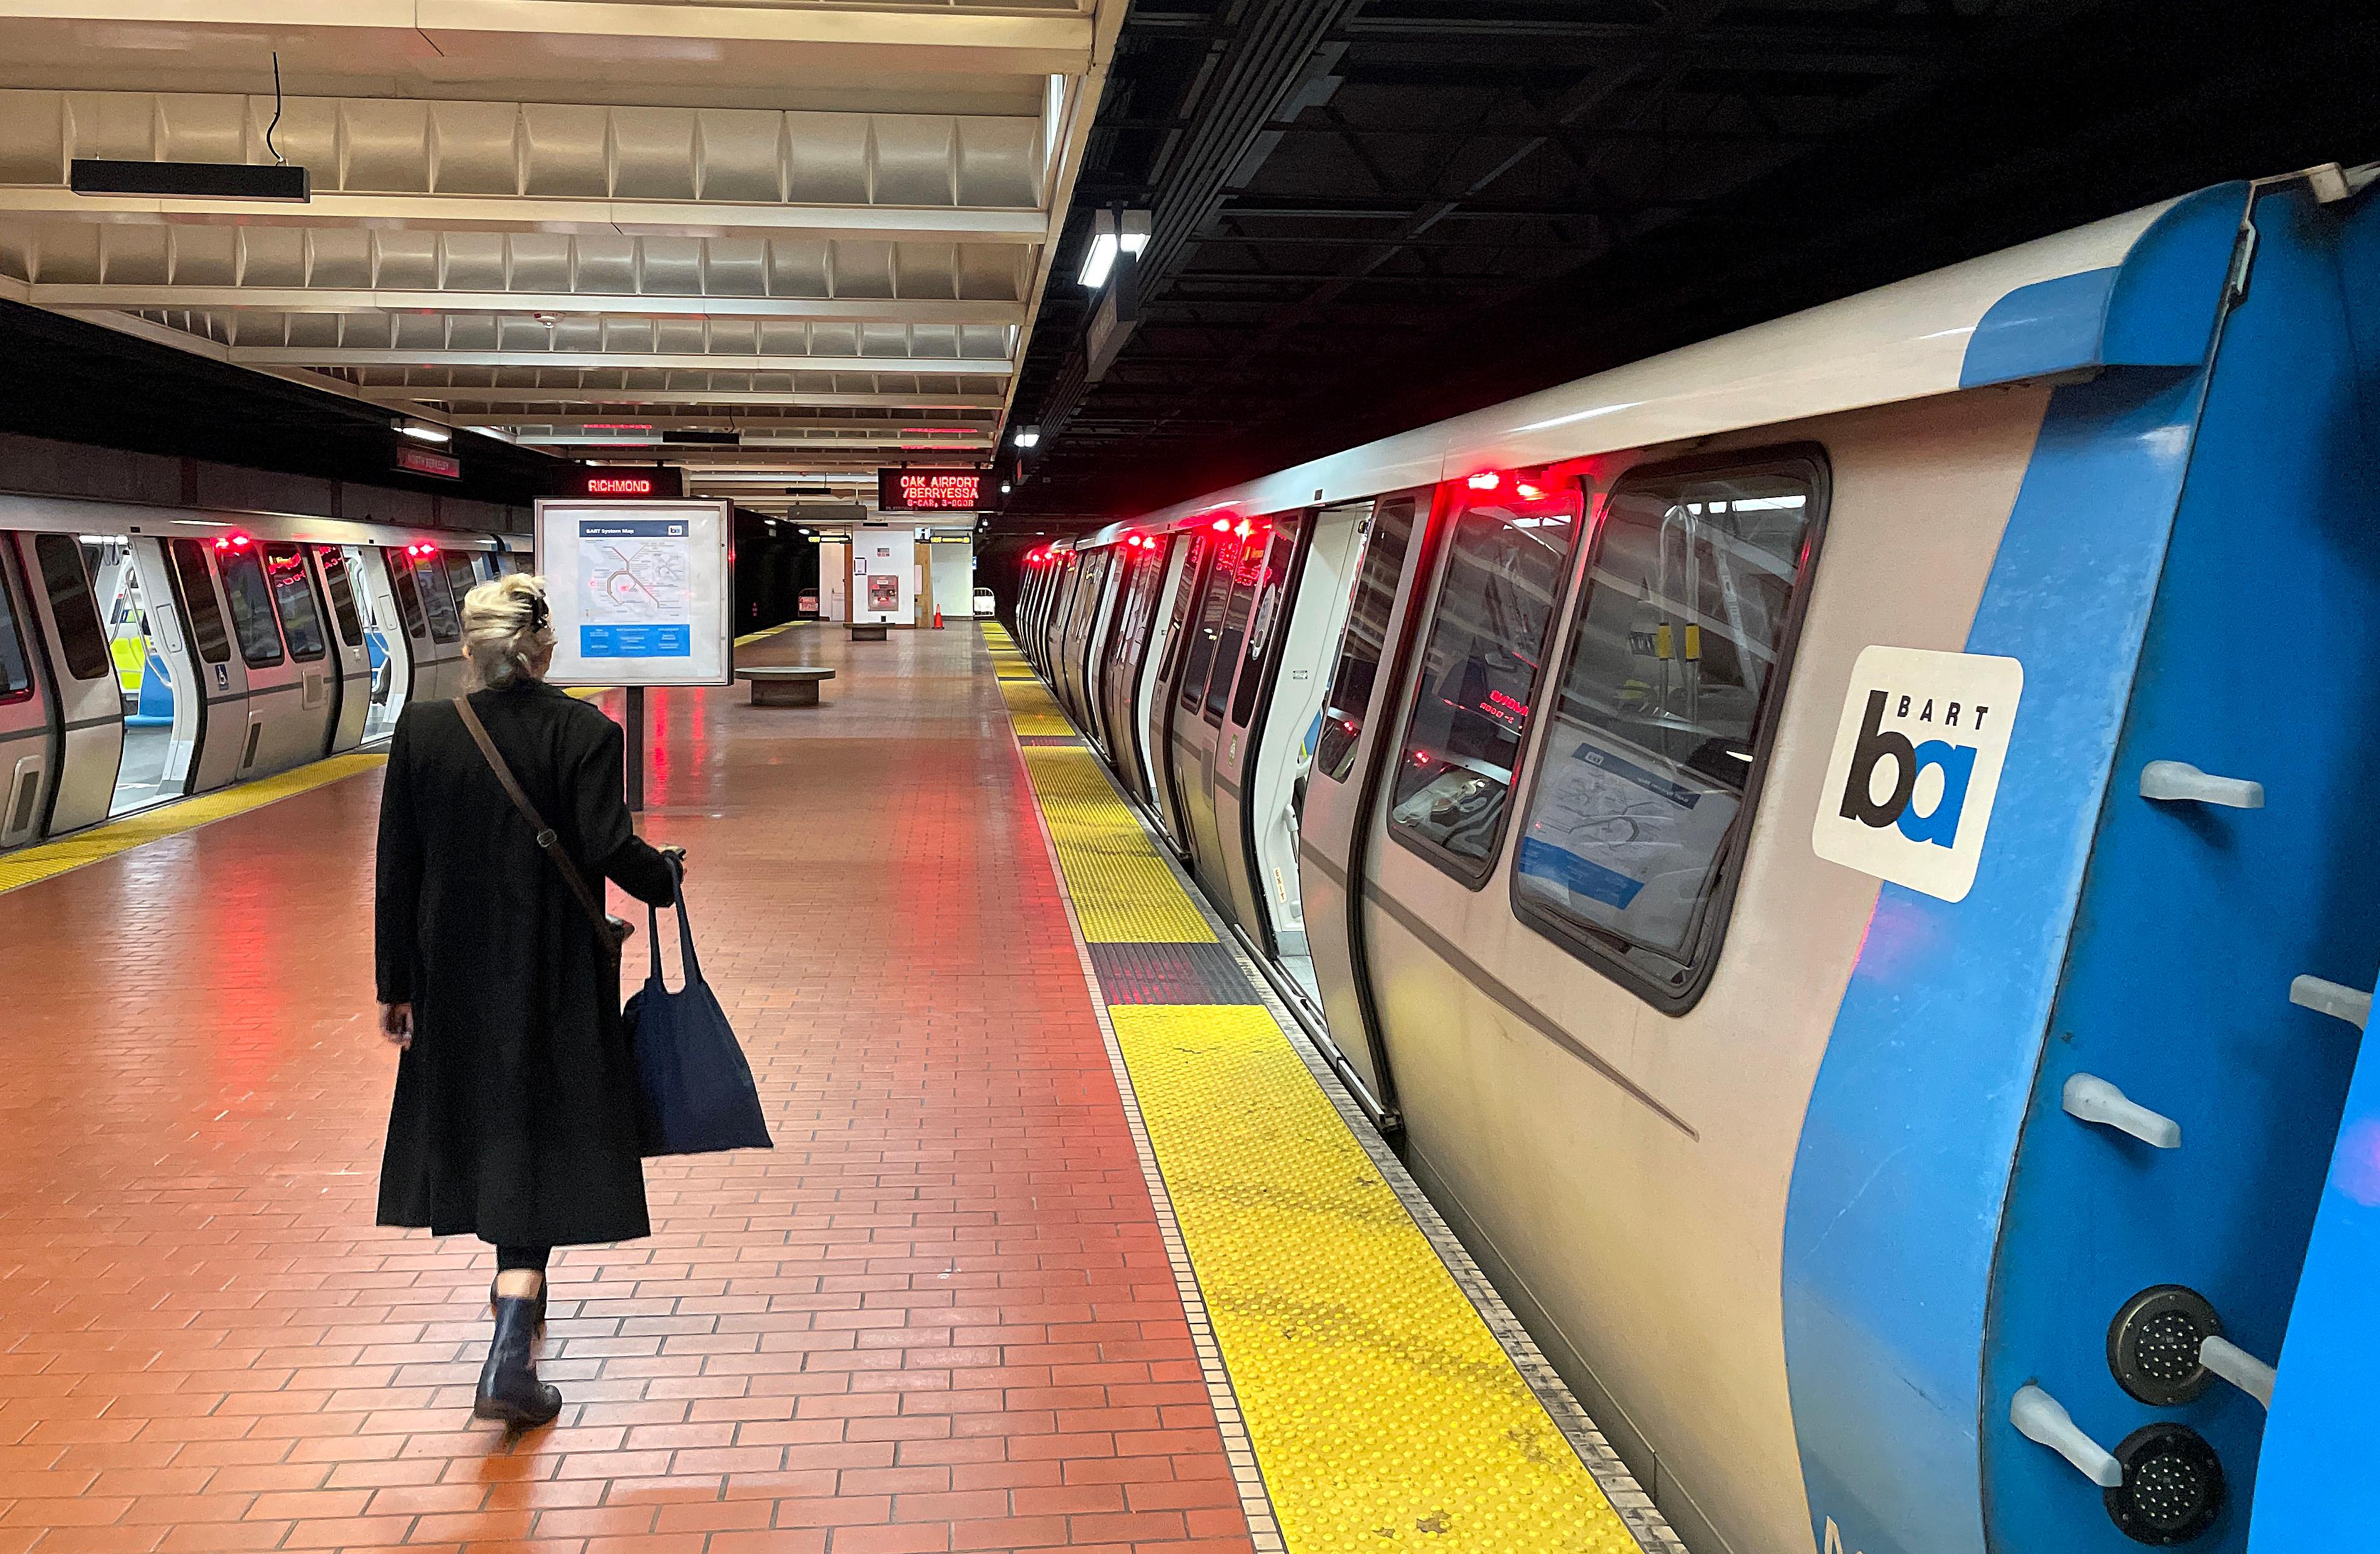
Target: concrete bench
[869, 633]
[788, 687]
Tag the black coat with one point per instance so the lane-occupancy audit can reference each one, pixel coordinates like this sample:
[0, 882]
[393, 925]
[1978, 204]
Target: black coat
[516, 1109]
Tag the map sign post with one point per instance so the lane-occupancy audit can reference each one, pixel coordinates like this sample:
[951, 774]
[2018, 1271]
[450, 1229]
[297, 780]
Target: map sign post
[640, 597]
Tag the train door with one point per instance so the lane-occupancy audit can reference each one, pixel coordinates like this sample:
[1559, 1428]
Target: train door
[1061, 620]
[1347, 772]
[1181, 626]
[462, 575]
[387, 647]
[1277, 559]
[154, 668]
[1125, 657]
[1090, 635]
[420, 661]
[283, 722]
[220, 710]
[336, 586]
[313, 648]
[1274, 725]
[27, 743]
[437, 644]
[1198, 711]
[89, 707]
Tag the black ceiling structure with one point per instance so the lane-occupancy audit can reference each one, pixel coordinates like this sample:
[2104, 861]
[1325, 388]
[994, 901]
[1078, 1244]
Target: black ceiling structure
[82, 383]
[1367, 215]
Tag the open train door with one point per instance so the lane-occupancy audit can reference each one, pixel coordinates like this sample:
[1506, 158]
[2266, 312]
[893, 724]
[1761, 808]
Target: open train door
[1350, 764]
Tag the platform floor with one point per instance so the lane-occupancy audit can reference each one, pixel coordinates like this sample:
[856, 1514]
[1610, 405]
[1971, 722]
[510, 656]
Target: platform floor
[954, 1309]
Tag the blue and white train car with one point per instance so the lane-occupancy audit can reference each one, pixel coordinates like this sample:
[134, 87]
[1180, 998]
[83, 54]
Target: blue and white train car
[1846, 854]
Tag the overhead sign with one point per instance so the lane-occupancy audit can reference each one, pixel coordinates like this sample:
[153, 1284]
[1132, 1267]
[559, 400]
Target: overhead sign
[422, 461]
[639, 591]
[1908, 794]
[628, 480]
[928, 490]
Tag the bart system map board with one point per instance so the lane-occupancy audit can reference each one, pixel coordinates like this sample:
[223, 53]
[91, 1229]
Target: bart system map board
[639, 591]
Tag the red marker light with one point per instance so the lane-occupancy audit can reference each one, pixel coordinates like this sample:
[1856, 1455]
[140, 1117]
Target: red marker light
[1526, 492]
[1222, 526]
[1486, 479]
[239, 542]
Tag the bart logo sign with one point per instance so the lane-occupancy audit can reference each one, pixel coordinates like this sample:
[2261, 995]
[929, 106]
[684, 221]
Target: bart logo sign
[1908, 794]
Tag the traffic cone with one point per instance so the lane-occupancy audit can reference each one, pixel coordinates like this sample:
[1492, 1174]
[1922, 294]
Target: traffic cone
[938, 620]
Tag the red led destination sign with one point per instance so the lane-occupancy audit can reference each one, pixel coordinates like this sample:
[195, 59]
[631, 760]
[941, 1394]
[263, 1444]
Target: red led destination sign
[928, 490]
[612, 479]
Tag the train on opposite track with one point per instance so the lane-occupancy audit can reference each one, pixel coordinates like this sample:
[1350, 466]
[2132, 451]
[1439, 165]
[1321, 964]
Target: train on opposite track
[1842, 854]
[149, 653]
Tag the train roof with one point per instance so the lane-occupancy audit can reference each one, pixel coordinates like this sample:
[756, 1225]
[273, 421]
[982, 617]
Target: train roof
[2138, 289]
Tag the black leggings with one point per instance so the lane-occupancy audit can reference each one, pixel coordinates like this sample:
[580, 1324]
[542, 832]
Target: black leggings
[518, 1259]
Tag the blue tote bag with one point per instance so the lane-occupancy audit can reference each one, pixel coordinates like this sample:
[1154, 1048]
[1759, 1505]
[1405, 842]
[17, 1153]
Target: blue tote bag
[695, 1089]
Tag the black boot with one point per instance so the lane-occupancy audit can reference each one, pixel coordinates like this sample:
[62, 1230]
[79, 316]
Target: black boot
[509, 1388]
[538, 1300]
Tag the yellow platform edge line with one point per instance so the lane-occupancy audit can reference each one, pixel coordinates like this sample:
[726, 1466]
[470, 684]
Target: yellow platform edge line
[1384, 1413]
[50, 859]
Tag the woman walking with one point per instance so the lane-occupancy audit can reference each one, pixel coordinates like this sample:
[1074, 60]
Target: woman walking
[515, 1115]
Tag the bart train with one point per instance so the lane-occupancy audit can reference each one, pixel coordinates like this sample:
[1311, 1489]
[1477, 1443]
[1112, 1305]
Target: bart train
[1843, 855]
[148, 653]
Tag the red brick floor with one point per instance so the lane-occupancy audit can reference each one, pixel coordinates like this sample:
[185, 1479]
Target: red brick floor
[937, 1317]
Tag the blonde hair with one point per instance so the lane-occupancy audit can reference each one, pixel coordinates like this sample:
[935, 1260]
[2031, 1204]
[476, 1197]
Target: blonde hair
[507, 630]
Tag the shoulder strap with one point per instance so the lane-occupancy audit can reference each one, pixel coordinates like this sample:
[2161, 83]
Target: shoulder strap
[546, 838]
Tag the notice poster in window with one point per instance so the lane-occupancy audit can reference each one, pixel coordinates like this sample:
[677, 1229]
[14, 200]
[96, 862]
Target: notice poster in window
[639, 591]
[1620, 836]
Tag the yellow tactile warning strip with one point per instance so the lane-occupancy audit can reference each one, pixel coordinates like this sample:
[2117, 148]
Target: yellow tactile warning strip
[51, 858]
[1121, 890]
[1030, 708]
[1383, 1412]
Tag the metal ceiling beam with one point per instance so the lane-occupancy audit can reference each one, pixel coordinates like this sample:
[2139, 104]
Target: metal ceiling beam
[602, 396]
[946, 39]
[334, 356]
[476, 212]
[745, 422]
[69, 297]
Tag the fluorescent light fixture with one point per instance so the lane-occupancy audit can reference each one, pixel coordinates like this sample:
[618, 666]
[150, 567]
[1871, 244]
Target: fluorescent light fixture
[1112, 232]
[1028, 436]
[422, 431]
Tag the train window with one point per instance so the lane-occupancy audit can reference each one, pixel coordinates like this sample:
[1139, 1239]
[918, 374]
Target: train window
[1185, 592]
[1264, 621]
[1637, 814]
[1366, 636]
[16, 668]
[1199, 658]
[69, 585]
[198, 595]
[462, 574]
[251, 606]
[1506, 551]
[343, 594]
[409, 594]
[292, 591]
[437, 602]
